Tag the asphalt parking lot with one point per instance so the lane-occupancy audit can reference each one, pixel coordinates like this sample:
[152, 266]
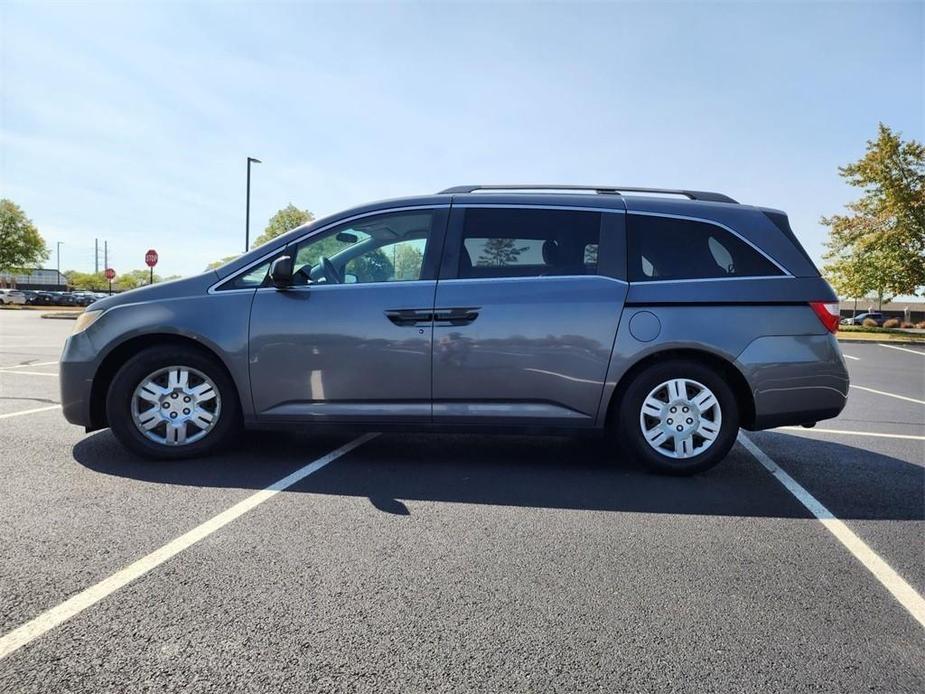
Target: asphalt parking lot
[461, 563]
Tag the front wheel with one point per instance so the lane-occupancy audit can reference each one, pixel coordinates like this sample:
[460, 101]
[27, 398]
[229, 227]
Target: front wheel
[172, 402]
[678, 417]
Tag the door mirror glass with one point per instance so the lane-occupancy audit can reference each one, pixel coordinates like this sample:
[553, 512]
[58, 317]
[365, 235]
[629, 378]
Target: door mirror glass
[281, 272]
[350, 278]
[347, 237]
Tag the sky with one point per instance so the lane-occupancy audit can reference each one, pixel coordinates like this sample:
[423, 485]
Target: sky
[131, 123]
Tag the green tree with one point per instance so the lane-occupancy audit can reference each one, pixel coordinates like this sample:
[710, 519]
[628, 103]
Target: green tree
[499, 252]
[133, 279]
[860, 275]
[86, 281]
[879, 246]
[407, 259]
[374, 266]
[218, 263]
[312, 253]
[22, 248]
[285, 220]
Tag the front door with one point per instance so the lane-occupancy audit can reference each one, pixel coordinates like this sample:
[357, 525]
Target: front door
[351, 340]
[526, 313]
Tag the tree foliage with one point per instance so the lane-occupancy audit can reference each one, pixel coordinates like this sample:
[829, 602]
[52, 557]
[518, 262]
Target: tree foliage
[327, 247]
[218, 263]
[86, 281]
[97, 282]
[285, 220]
[407, 259]
[498, 252]
[133, 279]
[22, 248]
[372, 267]
[879, 246]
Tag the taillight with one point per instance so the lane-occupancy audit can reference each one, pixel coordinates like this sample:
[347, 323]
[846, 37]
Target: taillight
[827, 314]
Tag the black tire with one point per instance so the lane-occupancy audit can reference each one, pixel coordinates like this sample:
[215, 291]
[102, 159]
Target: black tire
[629, 431]
[138, 368]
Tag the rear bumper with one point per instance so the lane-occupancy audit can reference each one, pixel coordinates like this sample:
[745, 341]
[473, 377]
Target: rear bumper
[77, 368]
[795, 379]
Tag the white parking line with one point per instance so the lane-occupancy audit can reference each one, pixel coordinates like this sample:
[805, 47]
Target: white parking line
[883, 572]
[27, 366]
[33, 629]
[815, 430]
[28, 373]
[848, 356]
[32, 411]
[889, 395]
[903, 349]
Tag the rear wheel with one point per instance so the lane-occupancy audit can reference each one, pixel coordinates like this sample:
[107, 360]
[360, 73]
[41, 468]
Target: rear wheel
[679, 417]
[172, 402]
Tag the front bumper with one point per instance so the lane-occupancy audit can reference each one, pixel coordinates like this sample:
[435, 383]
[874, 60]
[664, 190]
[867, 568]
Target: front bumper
[795, 379]
[77, 368]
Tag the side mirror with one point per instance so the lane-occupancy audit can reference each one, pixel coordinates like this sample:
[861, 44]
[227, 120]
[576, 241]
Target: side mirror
[281, 272]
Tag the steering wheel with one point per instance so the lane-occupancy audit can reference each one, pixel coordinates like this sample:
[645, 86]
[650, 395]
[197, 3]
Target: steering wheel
[331, 275]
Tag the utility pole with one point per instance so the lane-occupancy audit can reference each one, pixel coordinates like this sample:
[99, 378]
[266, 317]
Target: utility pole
[105, 254]
[60, 243]
[247, 213]
[96, 256]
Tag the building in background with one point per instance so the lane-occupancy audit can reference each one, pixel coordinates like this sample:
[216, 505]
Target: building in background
[40, 278]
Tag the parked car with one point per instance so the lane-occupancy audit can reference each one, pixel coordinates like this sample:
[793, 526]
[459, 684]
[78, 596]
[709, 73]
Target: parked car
[41, 298]
[65, 299]
[859, 319]
[12, 297]
[84, 298]
[665, 322]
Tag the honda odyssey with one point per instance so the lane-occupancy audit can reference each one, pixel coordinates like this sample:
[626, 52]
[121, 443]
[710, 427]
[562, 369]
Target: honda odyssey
[665, 318]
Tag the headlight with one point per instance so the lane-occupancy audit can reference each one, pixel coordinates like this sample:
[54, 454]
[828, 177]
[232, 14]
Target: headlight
[85, 320]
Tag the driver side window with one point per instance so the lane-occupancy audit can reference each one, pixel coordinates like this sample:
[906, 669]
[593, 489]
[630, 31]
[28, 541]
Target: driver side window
[395, 262]
[381, 248]
[308, 265]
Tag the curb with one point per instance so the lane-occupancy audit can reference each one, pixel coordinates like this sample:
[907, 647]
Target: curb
[21, 307]
[858, 341]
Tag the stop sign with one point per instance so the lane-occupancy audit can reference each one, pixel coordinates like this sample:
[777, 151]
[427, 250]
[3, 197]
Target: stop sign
[151, 257]
[110, 273]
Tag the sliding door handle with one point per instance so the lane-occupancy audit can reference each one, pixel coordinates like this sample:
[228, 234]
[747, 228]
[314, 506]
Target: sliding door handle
[410, 316]
[456, 316]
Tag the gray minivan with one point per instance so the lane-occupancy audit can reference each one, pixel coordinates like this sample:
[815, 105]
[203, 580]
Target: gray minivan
[669, 318]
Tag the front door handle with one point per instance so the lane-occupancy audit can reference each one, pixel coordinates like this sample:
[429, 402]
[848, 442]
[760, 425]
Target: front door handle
[456, 316]
[410, 316]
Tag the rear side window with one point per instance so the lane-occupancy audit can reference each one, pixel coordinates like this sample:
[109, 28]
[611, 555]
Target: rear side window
[529, 243]
[666, 248]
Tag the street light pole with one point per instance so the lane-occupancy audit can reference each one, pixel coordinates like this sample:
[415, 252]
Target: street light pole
[58, 253]
[247, 214]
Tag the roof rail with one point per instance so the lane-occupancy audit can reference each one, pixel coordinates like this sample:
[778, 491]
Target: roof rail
[604, 190]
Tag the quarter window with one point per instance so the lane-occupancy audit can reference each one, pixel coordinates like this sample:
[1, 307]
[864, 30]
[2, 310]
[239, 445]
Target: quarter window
[666, 248]
[250, 279]
[529, 243]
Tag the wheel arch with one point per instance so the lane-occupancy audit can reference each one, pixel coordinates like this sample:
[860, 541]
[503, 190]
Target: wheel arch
[120, 354]
[744, 399]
